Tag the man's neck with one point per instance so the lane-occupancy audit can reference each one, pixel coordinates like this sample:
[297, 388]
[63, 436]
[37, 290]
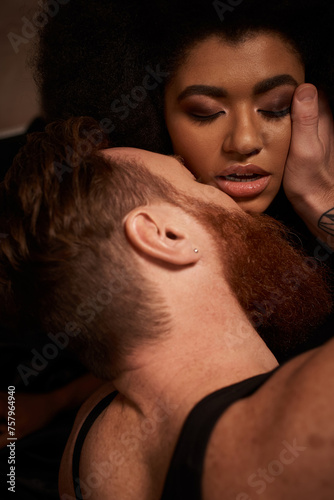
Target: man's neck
[193, 362]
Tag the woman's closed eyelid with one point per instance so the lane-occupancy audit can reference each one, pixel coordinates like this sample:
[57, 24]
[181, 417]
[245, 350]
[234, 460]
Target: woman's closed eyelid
[269, 111]
[207, 113]
[206, 118]
[275, 114]
[203, 109]
[275, 105]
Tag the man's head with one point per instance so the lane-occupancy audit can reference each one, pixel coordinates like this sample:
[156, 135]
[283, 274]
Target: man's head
[281, 290]
[78, 220]
[65, 259]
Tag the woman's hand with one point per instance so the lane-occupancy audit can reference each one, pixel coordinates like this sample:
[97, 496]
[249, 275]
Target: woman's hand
[309, 173]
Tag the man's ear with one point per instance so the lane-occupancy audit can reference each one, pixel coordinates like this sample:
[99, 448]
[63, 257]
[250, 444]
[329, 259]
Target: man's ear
[159, 231]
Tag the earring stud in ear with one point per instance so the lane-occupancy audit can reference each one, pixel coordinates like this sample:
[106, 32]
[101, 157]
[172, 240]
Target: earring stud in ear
[195, 250]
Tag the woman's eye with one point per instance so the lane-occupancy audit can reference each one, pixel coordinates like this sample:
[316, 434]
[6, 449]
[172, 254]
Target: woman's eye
[275, 114]
[206, 118]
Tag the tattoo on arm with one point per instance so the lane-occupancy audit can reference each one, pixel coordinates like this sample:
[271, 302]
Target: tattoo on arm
[326, 222]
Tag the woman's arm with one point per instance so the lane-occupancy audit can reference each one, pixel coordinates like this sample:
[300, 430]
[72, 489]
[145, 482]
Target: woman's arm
[309, 173]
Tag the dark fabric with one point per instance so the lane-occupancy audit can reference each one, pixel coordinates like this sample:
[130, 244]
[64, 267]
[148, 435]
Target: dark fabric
[96, 411]
[184, 476]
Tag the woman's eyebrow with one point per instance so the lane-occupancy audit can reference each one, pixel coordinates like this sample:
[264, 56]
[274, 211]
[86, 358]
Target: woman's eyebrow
[260, 88]
[273, 82]
[208, 90]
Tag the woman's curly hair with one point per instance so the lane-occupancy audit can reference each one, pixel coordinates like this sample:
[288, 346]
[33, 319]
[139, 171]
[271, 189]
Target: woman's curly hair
[92, 56]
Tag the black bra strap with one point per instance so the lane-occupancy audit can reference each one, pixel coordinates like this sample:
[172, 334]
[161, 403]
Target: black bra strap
[96, 411]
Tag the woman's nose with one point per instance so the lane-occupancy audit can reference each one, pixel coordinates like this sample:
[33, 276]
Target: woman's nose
[243, 136]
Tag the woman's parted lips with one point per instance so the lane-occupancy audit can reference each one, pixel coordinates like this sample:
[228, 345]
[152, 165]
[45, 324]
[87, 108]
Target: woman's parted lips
[243, 181]
[240, 170]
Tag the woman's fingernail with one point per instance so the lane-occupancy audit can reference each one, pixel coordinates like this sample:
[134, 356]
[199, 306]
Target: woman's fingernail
[306, 94]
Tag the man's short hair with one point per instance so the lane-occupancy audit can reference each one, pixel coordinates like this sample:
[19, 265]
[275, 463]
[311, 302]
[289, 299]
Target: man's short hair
[64, 256]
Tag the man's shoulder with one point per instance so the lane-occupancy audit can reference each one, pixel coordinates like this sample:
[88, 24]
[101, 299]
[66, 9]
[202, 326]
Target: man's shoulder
[278, 441]
[66, 489]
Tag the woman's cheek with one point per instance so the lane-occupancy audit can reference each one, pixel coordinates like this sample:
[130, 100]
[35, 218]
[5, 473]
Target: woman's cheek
[183, 135]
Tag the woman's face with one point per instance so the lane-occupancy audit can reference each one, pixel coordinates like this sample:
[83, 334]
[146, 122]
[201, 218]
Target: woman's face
[227, 111]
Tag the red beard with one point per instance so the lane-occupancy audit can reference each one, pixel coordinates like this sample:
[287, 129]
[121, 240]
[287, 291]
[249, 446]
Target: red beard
[283, 291]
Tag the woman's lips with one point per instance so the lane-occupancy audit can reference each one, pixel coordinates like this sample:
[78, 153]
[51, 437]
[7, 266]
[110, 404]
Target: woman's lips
[243, 181]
